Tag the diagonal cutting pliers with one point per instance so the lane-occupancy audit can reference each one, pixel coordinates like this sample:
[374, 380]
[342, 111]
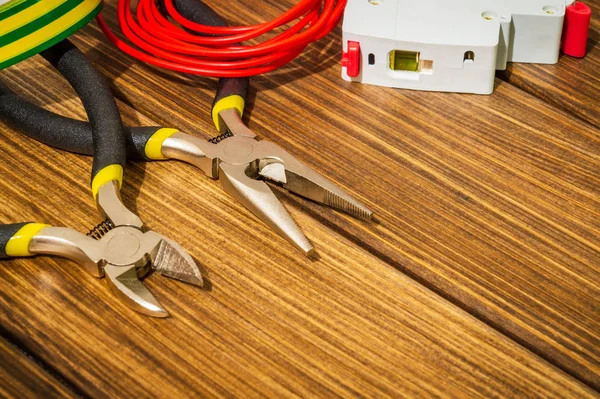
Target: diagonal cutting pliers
[120, 248]
[242, 163]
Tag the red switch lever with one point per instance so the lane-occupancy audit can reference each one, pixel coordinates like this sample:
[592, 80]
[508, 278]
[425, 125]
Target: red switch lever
[576, 29]
[351, 59]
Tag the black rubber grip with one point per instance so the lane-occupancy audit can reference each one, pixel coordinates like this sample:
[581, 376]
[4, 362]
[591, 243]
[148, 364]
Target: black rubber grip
[6, 232]
[98, 101]
[200, 13]
[60, 132]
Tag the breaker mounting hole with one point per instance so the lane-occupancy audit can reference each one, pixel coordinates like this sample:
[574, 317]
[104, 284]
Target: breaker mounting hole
[550, 10]
[489, 15]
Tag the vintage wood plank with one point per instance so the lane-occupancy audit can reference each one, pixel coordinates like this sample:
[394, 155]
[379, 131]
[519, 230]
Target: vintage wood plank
[274, 324]
[21, 377]
[572, 84]
[491, 201]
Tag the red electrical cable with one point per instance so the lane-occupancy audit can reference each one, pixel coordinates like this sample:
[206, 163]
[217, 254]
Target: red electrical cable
[158, 41]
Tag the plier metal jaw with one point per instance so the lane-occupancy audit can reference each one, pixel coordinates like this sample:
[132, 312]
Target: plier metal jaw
[121, 250]
[243, 164]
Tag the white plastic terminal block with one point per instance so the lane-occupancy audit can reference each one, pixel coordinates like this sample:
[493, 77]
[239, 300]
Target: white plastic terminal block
[447, 45]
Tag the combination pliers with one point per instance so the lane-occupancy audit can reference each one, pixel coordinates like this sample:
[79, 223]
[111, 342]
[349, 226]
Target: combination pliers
[120, 248]
[240, 161]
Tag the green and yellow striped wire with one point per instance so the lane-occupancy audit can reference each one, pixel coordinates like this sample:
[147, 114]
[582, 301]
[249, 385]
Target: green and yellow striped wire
[30, 26]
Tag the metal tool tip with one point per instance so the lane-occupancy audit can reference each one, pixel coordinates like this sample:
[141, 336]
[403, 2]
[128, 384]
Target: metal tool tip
[347, 204]
[159, 313]
[172, 261]
[297, 237]
[303, 244]
[193, 279]
[197, 281]
[125, 283]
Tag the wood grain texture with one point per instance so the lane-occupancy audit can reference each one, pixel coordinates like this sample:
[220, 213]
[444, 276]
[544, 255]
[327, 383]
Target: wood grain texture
[20, 377]
[275, 323]
[493, 202]
[572, 84]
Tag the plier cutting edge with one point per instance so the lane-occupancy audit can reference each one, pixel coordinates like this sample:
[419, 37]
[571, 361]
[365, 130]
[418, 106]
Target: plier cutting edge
[242, 163]
[119, 248]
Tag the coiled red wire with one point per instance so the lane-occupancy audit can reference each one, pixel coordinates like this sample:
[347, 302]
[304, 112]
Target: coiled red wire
[158, 41]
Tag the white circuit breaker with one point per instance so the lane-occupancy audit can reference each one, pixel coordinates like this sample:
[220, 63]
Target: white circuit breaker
[447, 45]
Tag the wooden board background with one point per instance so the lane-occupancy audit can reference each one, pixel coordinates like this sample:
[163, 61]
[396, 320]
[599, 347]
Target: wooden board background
[479, 277]
[21, 376]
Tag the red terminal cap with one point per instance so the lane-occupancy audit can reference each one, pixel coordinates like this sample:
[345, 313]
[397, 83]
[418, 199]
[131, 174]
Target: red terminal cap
[351, 59]
[576, 29]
